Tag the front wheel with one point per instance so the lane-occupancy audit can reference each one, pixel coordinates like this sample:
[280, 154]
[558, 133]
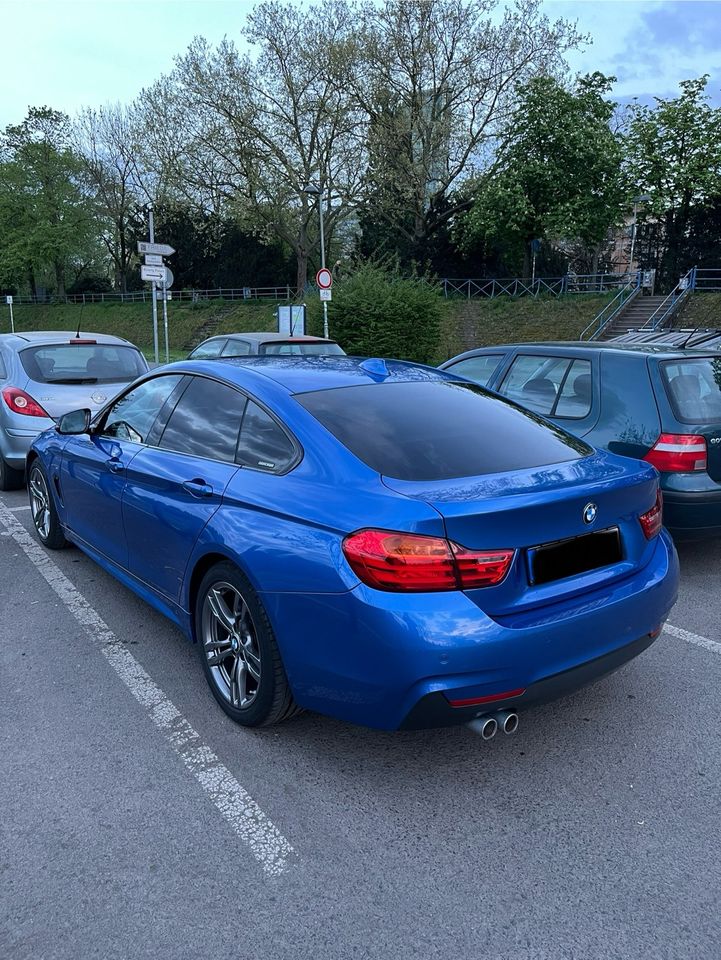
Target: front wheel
[238, 651]
[42, 507]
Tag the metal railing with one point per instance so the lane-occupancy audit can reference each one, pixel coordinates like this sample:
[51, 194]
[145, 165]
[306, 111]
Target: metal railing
[707, 279]
[672, 302]
[145, 296]
[525, 286]
[625, 295]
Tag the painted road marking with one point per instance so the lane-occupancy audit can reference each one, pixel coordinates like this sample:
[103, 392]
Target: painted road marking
[694, 638]
[17, 509]
[266, 843]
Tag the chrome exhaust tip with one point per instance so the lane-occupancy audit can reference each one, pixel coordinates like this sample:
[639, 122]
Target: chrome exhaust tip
[507, 721]
[487, 727]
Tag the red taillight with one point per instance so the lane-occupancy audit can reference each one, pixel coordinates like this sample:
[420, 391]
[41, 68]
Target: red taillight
[21, 402]
[490, 698]
[678, 453]
[652, 520]
[410, 562]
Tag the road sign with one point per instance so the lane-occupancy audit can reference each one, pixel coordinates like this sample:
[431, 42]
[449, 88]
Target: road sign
[163, 249]
[168, 278]
[153, 273]
[326, 294]
[153, 260]
[9, 301]
[324, 279]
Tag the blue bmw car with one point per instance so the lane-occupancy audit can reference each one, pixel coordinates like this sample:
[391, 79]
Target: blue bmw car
[375, 540]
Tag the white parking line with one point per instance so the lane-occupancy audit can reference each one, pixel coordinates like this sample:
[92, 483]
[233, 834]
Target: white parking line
[18, 509]
[266, 843]
[694, 638]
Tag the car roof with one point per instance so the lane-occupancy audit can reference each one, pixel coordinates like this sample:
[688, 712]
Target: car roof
[305, 374]
[660, 350]
[260, 337]
[36, 337]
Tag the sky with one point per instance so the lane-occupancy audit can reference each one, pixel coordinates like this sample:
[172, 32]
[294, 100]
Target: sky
[68, 54]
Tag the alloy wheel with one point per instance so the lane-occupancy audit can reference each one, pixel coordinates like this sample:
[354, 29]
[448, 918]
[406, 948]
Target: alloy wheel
[40, 504]
[230, 645]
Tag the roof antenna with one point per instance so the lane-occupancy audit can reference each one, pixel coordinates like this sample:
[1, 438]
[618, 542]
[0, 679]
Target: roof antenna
[682, 346]
[80, 317]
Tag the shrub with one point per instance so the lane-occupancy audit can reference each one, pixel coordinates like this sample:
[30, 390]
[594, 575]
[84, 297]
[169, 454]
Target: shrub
[376, 313]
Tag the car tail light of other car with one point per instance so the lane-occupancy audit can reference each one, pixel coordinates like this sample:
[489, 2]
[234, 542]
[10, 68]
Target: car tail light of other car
[678, 453]
[410, 562]
[652, 520]
[21, 402]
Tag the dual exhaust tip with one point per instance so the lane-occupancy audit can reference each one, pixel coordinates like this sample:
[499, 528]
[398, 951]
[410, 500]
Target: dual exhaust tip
[488, 727]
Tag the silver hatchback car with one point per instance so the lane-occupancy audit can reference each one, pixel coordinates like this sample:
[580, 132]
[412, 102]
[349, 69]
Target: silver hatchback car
[46, 374]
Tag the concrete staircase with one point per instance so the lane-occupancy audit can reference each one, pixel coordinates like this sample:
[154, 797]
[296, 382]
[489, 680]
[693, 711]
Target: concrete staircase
[633, 316]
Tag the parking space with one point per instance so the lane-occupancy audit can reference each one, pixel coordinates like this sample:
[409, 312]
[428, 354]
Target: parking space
[591, 833]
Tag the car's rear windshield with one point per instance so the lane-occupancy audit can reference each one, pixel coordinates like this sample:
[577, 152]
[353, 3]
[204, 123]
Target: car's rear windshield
[303, 349]
[694, 386]
[437, 430]
[82, 363]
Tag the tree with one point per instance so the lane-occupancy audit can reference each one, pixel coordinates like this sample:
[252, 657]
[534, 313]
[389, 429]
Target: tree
[437, 83]
[45, 220]
[558, 175]
[674, 155]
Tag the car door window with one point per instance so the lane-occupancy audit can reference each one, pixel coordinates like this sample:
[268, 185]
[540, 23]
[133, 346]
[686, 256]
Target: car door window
[264, 445]
[206, 421]
[236, 348]
[535, 381]
[133, 415]
[480, 368]
[210, 349]
[574, 401]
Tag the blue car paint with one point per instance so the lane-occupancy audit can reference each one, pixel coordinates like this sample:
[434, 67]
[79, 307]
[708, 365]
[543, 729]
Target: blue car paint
[349, 650]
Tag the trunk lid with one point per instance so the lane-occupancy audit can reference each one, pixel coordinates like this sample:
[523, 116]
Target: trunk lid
[60, 398]
[532, 508]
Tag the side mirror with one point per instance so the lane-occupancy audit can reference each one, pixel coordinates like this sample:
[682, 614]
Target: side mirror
[77, 421]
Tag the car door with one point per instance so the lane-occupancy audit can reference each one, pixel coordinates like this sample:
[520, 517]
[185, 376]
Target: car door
[175, 487]
[563, 388]
[93, 469]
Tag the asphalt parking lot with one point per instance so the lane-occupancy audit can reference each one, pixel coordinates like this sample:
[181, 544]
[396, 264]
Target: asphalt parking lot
[139, 821]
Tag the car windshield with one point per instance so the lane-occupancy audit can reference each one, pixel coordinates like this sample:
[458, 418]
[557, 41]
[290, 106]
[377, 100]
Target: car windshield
[694, 385]
[438, 430]
[308, 348]
[82, 363]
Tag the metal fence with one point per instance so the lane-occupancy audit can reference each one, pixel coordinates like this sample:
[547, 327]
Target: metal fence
[707, 278]
[186, 296]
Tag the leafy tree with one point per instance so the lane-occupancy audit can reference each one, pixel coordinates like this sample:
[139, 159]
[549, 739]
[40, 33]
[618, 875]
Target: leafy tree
[559, 174]
[674, 155]
[45, 220]
[437, 84]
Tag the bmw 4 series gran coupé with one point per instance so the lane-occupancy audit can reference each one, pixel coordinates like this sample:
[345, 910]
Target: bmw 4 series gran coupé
[375, 540]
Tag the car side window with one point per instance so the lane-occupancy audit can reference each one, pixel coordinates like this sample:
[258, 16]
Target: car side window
[574, 401]
[206, 421]
[236, 348]
[133, 415]
[264, 445]
[535, 381]
[210, 349]
[3, 371]
[480, 368]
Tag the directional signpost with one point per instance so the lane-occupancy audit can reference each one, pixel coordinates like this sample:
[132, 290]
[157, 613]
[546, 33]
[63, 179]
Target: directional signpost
[155, 272]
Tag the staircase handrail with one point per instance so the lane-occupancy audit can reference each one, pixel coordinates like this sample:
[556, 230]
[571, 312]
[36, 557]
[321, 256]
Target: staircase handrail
[613, 308]
[670, 304]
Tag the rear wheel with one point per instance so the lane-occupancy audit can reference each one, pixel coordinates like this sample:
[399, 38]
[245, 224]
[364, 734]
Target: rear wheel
[42, 507]
[238, 650]
[10, 479]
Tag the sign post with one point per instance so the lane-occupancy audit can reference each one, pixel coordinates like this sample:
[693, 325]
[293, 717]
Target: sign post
[151, 233]
[155, 272]
[324, 281]
[9, 302]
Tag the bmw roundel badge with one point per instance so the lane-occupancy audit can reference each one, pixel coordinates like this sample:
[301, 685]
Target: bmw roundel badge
[590, 512]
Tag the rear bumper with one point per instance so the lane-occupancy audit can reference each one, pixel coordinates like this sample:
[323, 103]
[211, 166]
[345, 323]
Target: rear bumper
[692, 514]
[15, 444]
[379, 659]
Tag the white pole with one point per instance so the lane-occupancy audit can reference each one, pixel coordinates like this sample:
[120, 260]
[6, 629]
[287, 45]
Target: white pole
[151, 230]
[165, 321]
[322, 263]
[12, 322]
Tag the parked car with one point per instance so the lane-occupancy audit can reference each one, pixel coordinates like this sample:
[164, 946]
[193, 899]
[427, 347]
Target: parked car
[263, 345]
[44, 374]
[659, 403]
[334, 535]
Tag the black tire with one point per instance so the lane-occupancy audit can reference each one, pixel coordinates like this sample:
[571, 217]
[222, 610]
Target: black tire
[10, 479]
[42, 509]
[232, 657]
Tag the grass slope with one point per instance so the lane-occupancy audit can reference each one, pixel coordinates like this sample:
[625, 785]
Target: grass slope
[700, 310]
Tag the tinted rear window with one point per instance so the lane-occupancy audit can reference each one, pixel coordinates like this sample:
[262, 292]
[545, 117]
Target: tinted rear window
[82, 363]
[694, 386]
[437, 430]
[309, 349]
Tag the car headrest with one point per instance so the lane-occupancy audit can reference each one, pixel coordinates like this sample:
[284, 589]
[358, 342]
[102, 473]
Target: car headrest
[540, 388]
[686, 387]
[582, 386]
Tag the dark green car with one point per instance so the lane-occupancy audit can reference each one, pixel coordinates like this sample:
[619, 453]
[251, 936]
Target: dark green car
[648, 401]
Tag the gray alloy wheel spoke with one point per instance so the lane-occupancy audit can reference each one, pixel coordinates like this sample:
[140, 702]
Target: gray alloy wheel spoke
[220, 610]
[215, 659]
[252, 660]
[40, 505]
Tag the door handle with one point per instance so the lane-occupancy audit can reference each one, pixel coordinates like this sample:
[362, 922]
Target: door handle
[115, 466]
[197, 488]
